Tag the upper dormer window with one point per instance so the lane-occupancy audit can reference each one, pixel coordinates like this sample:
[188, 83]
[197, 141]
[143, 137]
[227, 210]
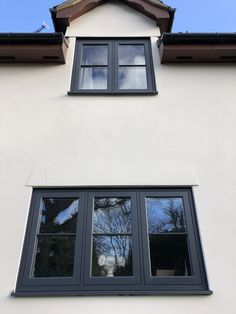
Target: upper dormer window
[113, 66]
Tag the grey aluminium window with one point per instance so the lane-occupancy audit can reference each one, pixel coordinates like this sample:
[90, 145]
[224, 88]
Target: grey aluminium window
[113, 66]
[112, 241]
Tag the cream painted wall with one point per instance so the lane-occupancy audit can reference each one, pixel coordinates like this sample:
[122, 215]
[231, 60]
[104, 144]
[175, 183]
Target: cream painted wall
[185, 135]
[113, 19]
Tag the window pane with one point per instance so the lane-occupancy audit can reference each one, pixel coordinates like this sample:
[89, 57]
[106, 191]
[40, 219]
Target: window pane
[54, 256]
[165, 215]
[169, 255]
[112, 256]
[95, 55]
[131, 55]
[112, 215]
[132, 78]
[93, 78]
[59, 215]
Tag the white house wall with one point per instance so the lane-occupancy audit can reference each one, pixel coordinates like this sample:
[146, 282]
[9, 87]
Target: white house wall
[185, 135]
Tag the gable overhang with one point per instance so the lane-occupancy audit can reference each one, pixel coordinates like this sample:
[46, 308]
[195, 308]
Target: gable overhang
[197, 48]
[65, 13]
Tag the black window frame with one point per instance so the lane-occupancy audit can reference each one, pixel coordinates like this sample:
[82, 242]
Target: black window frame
[141, 283]
[112, 66]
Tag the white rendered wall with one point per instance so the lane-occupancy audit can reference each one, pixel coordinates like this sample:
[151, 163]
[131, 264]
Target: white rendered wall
[113, 19]
[185, 135]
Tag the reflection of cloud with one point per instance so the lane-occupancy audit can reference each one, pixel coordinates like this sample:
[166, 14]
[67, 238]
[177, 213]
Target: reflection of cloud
[67, 213]
[93, 78]
[131, 55]
[95, 55]
[132, 78]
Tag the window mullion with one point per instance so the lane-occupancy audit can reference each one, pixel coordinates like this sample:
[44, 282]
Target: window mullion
[114, 65]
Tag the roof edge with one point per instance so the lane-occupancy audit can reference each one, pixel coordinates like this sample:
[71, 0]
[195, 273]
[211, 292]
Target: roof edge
[33, 48]
[197, 48]
[66, 12]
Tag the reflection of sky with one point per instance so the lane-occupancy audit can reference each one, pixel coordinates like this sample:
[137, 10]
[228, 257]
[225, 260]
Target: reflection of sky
[93, 78]
[131, 55]
[157, 212]
[112, 215]
[94, 55]
[113, 246]
[132, 78]
[113, 252]
[67, 213]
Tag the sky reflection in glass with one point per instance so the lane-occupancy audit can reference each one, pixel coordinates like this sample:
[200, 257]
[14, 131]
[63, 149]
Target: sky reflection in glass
[132, 78]
[59, 215]
[95, 55]
[112, 256]
[112, 215]
[131, 55]
[165, 215]
[93, 78]
[112, 252]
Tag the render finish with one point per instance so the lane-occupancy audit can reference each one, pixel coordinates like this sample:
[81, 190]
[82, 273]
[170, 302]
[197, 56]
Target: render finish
[190, 122]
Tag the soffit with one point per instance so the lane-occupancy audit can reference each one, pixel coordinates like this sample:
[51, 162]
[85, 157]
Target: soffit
[198, 48]
[33, 48]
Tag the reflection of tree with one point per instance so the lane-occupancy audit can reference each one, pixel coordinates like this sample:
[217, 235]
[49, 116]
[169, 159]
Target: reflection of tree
[112, 215]
[55, 257]
[116, 252]
[59, 215]
[111, 228]
[166, 216]
[55, 254]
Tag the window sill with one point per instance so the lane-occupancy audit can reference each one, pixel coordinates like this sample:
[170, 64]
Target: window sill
[106, 93]
[109, 293]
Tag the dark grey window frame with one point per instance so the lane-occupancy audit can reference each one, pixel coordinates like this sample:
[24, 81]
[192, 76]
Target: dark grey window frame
[141, 283]
[112, 88]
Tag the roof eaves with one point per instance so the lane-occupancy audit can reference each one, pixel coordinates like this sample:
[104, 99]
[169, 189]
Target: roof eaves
[197, 48]
[33, 48]
[64, 13]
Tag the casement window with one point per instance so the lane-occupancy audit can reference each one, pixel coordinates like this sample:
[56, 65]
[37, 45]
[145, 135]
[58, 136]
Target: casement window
[112, 242]
[115, 66]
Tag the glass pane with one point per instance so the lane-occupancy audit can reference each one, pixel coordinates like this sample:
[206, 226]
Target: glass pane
[131, 55]
[132, 78]
[93, 78]
[165, 215]
[112, 256]
[95, 55]
[59, 215]
[54, 256]
[112, 215]
[169, 255]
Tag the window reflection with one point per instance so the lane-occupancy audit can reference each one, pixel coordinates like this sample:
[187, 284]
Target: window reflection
[54, 256]
[132, 78]
[131, 55]
[95, 55]
[165, 215]
[59, 215]
[112, 215]
[112, 243]
[56, 238]
[167, 237]
[112, 256]
[93, 78]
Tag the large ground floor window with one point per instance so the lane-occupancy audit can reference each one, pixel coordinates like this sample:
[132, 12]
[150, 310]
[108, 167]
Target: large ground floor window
[112, 241]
